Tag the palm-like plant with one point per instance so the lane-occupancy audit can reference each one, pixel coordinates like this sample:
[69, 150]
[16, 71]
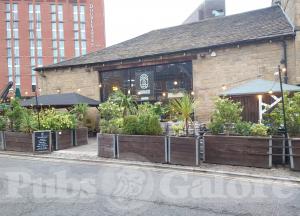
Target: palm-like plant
[183, 108]
[125, 101]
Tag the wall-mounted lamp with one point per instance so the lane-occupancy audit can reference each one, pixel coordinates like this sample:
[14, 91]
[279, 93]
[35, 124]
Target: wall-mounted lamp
[115, 88]
[58, 91]
[270, 92]
[164, 94]
[224, 87]
[79, 90]
[26, 93]
[129, 92]
[213, 54]
[175, 82]
[193, 93]
[100, 85]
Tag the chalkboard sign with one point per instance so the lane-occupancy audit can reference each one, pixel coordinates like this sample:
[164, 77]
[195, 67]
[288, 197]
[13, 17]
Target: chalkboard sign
[42, 141]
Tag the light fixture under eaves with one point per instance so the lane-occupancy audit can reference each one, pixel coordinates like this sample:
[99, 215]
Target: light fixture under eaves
[213, 54]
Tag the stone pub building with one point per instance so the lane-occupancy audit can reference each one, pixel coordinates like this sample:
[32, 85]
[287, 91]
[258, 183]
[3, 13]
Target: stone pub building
[203, 58]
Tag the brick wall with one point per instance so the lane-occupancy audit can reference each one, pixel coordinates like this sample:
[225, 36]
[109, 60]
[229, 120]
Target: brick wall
[68, 81]
[235, 66]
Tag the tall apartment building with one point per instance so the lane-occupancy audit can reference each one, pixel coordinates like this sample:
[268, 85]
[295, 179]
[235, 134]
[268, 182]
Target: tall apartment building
[207, 9]
[42, 32]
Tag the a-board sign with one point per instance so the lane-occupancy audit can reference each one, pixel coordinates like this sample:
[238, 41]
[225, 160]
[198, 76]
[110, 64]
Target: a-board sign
[42, 141]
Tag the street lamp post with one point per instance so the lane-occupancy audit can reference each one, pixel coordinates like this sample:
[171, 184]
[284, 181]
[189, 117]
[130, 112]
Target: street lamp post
[283, 105]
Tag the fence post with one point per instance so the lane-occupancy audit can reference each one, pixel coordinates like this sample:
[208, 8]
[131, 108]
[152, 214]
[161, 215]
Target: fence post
[197, 150]
[283, 151]
[166, 149]
[270, 152]
[116, 142]
[291, 154]
[203, 148]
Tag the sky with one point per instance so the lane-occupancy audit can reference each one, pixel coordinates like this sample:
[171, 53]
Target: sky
[126, 19]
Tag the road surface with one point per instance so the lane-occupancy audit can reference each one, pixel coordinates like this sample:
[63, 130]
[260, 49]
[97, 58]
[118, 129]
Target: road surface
[41, 187]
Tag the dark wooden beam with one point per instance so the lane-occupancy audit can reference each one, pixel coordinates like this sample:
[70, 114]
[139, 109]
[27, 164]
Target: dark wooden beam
[143, 63]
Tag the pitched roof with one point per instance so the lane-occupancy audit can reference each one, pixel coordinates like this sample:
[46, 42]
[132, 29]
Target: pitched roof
[61, 100]
[260, 86]
[250, 26]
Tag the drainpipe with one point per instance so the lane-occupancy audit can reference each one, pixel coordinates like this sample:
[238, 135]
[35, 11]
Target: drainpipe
[284, 61]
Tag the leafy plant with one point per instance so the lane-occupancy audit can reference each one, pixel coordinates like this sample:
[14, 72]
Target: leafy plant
[259, 130]
[3, 122]
[292, 108]
[15, 115]
[143, 124]
[29, 122]
[178, 128]
[125, 101]
[183, 108]
[216, 127]
[113, 126]
[80, 112]
[227, 113]
[110, 110]
[243, 128]
[131, 125]
[53, 120]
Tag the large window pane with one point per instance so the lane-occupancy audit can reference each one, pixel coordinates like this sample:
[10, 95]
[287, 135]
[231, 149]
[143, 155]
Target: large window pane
[152, 83]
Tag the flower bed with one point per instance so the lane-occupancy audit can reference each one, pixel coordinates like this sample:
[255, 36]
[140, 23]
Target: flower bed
[81, 136]
[106, 145]
[2, 147]
[18, 141]
[295, 144]
[237, 150]
[184, 151]
[142, 148]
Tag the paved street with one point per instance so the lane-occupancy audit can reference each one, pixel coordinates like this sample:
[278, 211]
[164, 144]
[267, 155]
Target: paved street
[56, 187]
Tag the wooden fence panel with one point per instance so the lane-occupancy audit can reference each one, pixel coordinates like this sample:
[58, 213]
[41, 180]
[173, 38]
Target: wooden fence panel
[106, 145]
[239, 151]
[20, 142]
[142, 148]
[81, 136]
[183, 151]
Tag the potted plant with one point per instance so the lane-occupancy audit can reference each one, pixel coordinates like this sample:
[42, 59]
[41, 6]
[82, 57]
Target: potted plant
[234, 142]
[183, 147]
[21, 123]
[111, 121]
[80, 132]
[142, 138]
[275, 120]
[61, 124]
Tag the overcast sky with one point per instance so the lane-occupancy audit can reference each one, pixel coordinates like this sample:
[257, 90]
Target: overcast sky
[126, 19]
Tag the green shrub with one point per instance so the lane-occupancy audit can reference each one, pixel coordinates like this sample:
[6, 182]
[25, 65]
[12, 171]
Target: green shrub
[259, 130]
[243, 128]
[178, 129]
[113, 126]
[110, 110]
[216, 127]
[3, 122]
[292, 108]
[131, 125]
[54, 120]
[15, 115]
[143, 124]
[29, 122]
[80, 112]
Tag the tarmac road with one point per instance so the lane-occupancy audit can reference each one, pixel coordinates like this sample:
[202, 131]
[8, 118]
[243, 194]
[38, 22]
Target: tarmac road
[40, 187]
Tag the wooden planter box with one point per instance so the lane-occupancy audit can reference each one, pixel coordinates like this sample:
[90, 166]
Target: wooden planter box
[143, 148]
[184, 151]
[2, 146]
[17, 141]
[278, 150]
[236, 150]
[62, 139]
[81, 136]
[295, 151]
[107, 145]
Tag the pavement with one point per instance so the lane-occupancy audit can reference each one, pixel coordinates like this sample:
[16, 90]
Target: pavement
[88, 153]
[34, 186]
